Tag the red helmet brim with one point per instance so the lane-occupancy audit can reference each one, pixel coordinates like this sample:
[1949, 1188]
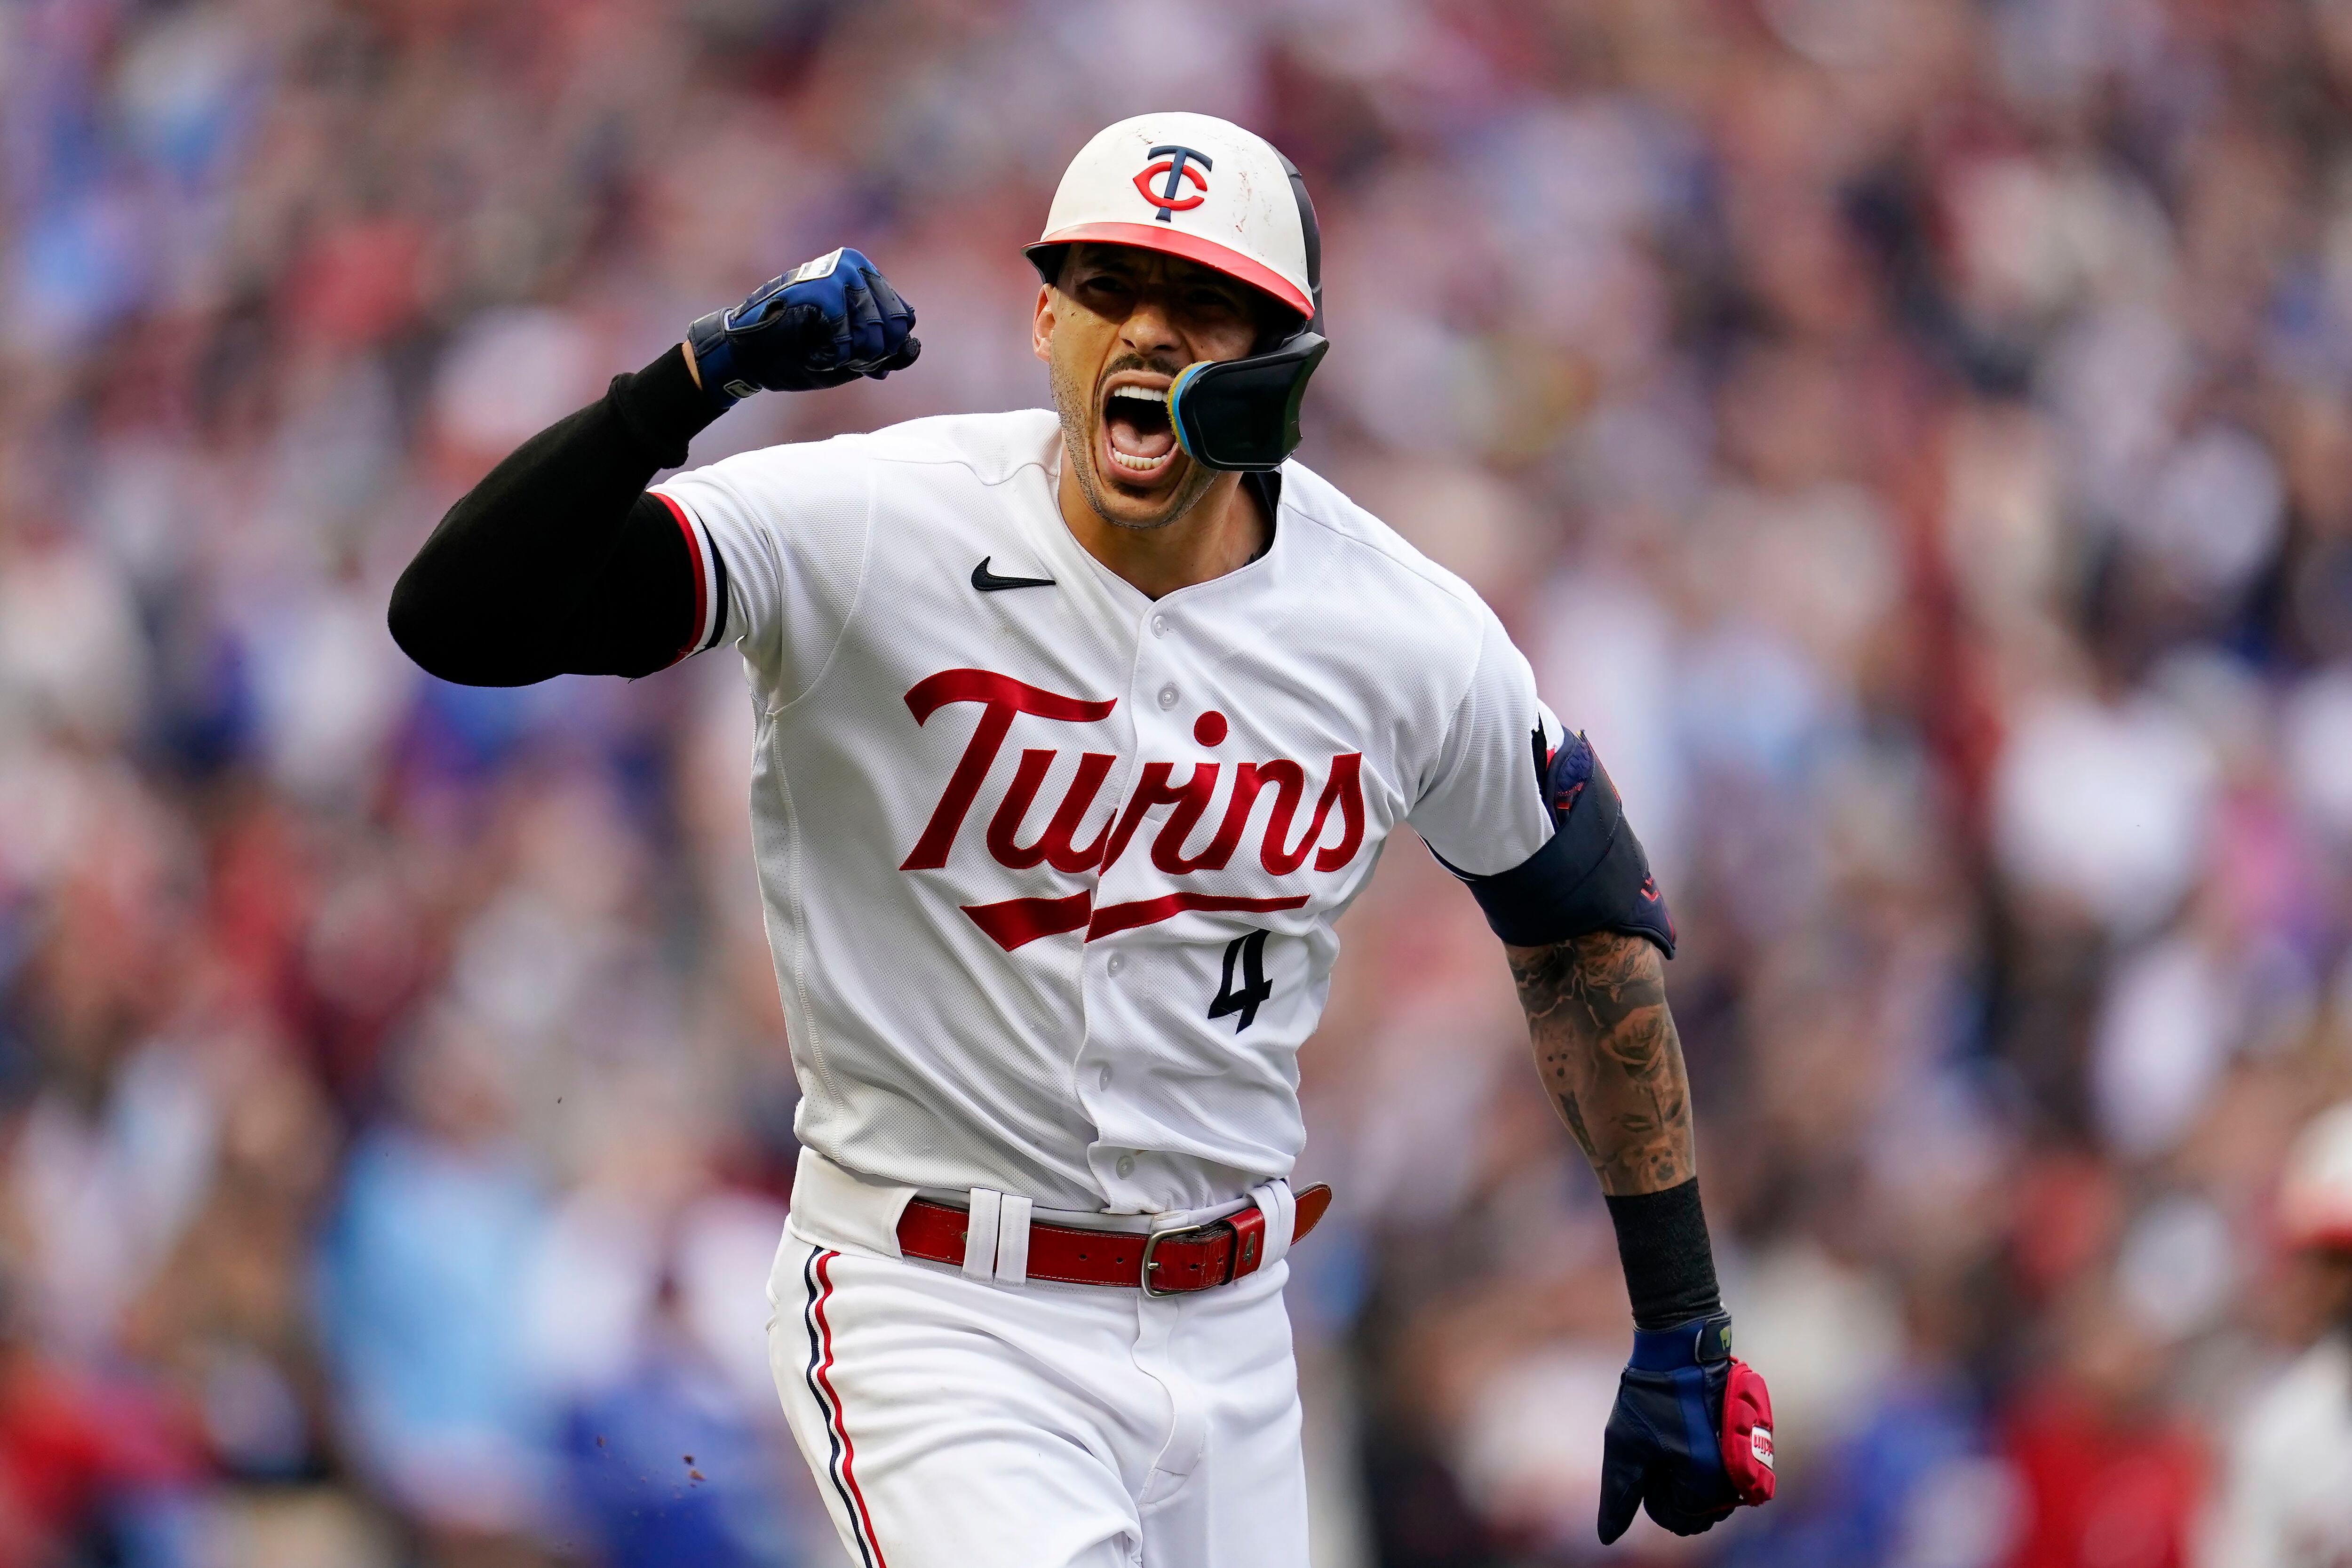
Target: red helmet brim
[1175, 242]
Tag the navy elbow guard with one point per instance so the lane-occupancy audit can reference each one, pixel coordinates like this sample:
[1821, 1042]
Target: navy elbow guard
[1590, 876]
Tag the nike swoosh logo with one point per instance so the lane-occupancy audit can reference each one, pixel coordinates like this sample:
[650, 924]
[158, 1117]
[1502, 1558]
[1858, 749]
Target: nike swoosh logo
[988, 581]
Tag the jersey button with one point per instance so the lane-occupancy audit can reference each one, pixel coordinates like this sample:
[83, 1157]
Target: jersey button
[1118, 961]
[1159, 625]
[1167, 697]
[1126, 1166]
[1102, 1078]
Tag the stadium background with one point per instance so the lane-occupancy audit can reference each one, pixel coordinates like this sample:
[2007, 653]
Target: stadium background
[1913, 437]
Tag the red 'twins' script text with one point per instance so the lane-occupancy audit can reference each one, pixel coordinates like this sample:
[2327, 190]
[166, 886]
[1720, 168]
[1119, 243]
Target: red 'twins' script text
[1280, 851]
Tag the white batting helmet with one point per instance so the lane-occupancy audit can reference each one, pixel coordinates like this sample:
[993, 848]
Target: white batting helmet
[2315, 1190]
[1195, 186]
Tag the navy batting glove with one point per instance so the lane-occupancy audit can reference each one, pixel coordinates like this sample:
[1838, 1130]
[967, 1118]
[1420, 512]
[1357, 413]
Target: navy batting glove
[1691, 1438]
[822, 323]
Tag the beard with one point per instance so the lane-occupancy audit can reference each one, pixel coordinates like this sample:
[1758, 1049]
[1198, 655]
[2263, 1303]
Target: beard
[1078, 405]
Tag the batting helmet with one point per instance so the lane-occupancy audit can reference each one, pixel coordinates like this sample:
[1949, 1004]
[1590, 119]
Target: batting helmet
[2315, 1190]
[1204, 189]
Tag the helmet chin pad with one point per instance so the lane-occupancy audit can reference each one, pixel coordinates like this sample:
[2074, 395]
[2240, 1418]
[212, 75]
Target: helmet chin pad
[1241, 414]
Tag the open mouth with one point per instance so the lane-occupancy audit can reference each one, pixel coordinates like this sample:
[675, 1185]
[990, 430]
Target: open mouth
[1136, 430]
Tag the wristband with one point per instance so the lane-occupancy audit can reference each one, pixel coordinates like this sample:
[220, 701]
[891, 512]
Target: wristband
[1669, 1264]
[1699, 1343]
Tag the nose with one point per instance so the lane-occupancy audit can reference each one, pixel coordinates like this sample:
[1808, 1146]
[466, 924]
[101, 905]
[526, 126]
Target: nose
[1149, 329]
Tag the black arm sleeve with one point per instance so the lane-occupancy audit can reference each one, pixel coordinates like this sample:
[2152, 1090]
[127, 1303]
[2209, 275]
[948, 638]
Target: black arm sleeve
[1590, 875]
[558, 563]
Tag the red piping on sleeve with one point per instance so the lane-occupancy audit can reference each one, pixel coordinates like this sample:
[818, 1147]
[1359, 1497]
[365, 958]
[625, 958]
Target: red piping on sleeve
[694, 553]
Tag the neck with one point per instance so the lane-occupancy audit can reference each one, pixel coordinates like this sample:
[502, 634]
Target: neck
[1225, 530]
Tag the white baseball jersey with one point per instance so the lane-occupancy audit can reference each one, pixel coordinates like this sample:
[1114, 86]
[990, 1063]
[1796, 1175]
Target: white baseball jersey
[1050, 871]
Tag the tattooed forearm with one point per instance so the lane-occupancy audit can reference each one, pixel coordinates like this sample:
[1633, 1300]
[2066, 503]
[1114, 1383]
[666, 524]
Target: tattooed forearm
[1575, 1120]
[1606, 1046]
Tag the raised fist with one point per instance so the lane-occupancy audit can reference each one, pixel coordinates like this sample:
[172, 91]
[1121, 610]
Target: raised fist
[824, 322]
[1691, 1438]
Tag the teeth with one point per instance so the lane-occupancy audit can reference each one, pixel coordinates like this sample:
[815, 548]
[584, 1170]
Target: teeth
[1132, 464]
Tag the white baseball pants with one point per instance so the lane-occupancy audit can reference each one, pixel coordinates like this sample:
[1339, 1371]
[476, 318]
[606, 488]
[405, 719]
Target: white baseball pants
[956, 1423]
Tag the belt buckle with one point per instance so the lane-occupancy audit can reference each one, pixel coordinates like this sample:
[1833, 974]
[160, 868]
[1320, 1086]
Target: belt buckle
[1151, 1245]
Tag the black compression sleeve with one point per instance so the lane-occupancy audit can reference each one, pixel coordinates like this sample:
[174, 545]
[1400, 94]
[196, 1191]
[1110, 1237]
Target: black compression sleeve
[1669, 1264]
[558, 562]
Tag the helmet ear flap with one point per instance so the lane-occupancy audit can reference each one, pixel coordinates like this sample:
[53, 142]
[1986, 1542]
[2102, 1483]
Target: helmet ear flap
[1243, 413]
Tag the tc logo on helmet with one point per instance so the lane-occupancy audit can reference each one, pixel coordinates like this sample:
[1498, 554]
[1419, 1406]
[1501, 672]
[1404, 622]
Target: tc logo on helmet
[1178, 163]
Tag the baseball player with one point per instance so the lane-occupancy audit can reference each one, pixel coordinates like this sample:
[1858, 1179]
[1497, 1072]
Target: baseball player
[1076, 732]
[2285, 1500]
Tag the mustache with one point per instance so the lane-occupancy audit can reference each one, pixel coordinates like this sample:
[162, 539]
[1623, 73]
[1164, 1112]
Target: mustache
[1127, 361]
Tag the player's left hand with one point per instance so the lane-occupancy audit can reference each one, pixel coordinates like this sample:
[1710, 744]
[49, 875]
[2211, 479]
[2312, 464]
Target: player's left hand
[824, 322]
[1691, 1438]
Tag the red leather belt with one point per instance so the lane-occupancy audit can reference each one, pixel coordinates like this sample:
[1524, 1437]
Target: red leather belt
[1166, 1263]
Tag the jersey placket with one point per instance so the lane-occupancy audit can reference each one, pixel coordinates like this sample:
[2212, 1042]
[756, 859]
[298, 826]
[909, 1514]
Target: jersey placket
[1165, 699]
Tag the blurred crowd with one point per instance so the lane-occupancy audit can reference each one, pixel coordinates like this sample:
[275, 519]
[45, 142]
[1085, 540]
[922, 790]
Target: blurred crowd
[1912, 438]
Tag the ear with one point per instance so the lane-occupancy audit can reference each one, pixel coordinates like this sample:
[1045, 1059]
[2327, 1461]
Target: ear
[1040, 326]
